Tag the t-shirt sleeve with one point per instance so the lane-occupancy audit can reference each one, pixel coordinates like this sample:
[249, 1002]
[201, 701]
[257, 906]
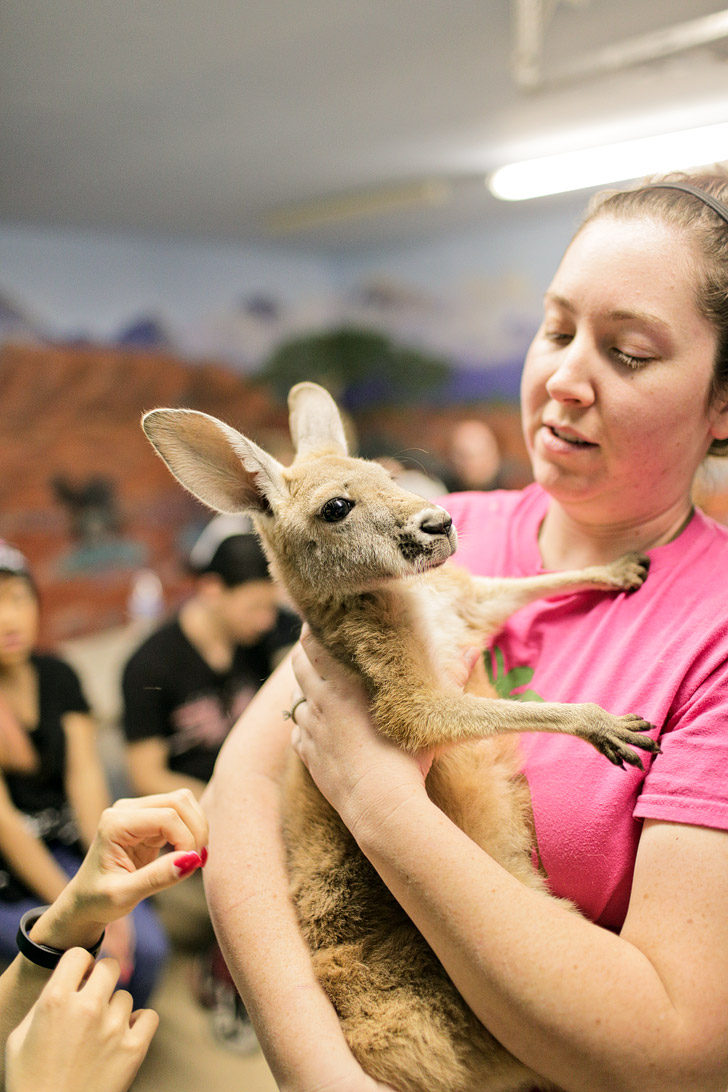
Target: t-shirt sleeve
[688, 781]
[143, 692]
[66, 686]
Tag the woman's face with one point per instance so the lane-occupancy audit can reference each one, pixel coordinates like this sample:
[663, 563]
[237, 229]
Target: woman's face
[616, 383]
[18, 620]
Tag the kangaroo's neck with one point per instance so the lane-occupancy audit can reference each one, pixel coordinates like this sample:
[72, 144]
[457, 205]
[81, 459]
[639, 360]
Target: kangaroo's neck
[324, 612]
[337, 620]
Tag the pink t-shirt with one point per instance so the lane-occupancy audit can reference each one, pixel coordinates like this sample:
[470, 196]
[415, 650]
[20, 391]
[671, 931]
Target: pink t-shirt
[661, 652]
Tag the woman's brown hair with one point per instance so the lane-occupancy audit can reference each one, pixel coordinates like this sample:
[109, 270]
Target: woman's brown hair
[710, 237]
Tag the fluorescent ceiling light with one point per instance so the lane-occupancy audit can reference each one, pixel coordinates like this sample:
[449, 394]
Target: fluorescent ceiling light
[610, 163]
[359, 204]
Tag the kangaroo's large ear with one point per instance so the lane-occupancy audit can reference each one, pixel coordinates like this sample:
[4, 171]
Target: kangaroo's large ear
[315, 422]
[218, 465]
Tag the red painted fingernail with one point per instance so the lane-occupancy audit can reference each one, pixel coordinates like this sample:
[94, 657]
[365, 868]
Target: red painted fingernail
[187, 863]
[203, 856]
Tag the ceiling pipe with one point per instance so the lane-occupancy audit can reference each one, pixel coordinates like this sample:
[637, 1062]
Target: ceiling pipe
[531, 18]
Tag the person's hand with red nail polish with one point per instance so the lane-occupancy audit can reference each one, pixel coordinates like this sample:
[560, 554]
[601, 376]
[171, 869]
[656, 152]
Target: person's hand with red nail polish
[125, 865]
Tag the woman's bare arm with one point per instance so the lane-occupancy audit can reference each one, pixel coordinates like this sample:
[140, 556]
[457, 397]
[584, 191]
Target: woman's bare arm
[646, 1011]
[148, 762]
[27, 856]
[247, 889]
[86, 786]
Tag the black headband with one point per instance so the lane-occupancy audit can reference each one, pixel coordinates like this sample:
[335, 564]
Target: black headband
[706, 198]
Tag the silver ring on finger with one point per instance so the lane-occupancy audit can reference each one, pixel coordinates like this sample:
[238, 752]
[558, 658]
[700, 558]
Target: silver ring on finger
[291, 714]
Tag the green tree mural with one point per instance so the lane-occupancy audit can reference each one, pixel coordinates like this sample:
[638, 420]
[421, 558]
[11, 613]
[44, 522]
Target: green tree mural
[359, 367]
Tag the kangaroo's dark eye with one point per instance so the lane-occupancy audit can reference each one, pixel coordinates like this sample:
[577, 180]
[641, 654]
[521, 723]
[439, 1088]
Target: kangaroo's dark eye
[336, 509]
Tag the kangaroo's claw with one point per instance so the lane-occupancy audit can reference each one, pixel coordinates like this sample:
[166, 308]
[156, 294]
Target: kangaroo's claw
[630, 572]
[617, 740]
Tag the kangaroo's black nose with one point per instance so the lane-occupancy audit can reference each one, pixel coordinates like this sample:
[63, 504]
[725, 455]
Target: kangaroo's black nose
[436, 524]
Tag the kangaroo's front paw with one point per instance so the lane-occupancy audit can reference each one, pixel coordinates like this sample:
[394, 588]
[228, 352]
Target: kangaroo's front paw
[629, 572]
[619, 735]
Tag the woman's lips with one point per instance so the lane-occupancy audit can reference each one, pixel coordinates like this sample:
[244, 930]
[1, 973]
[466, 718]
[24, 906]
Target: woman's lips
[565, 439]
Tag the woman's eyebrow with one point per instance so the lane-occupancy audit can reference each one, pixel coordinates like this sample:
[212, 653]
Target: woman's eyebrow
[617, 315]
[639, 316]
[554, 297]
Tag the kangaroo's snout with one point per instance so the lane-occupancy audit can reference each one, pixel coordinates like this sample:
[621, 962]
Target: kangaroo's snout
[435, 521]
[428, 538]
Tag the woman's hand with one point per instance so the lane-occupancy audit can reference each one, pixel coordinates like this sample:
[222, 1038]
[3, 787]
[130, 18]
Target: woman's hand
[124, 866]
[357, 770]
[80, 1034]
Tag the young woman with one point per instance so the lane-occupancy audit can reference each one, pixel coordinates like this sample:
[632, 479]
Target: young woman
[625, 391]
[52, 784]
[74, 1032]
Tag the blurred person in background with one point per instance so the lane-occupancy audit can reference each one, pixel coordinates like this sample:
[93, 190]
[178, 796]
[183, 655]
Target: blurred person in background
[183, 689]
[414, 476]
[473, 457]
[52, 784]
[189, 681]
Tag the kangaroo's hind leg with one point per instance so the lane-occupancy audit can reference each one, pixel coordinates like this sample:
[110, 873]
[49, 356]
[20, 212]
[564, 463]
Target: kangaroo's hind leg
[405, 1022]
[480, 786]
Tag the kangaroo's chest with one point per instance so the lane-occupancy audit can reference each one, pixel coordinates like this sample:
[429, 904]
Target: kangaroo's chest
[439, 628]
[402, 628]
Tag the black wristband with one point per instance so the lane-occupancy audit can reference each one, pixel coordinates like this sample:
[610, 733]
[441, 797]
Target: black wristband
[42, 954]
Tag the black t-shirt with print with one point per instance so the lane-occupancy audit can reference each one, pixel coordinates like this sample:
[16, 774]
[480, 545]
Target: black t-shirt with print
[41, 795]
[171, 692]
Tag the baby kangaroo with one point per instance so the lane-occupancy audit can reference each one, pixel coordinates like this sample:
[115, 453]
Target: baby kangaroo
[363, 560]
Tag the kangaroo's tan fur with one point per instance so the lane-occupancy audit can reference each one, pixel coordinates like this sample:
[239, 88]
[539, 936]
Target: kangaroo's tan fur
[366, 573]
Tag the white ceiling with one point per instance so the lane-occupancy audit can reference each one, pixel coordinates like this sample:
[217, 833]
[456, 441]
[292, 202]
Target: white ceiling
[200, 119]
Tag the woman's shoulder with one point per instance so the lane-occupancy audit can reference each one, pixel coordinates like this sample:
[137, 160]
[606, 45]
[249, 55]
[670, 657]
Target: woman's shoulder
[498, 530]
[476, 507]
[49, 665]
[695, 557]
[709, 530]
[160, 644]
[58, 683]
